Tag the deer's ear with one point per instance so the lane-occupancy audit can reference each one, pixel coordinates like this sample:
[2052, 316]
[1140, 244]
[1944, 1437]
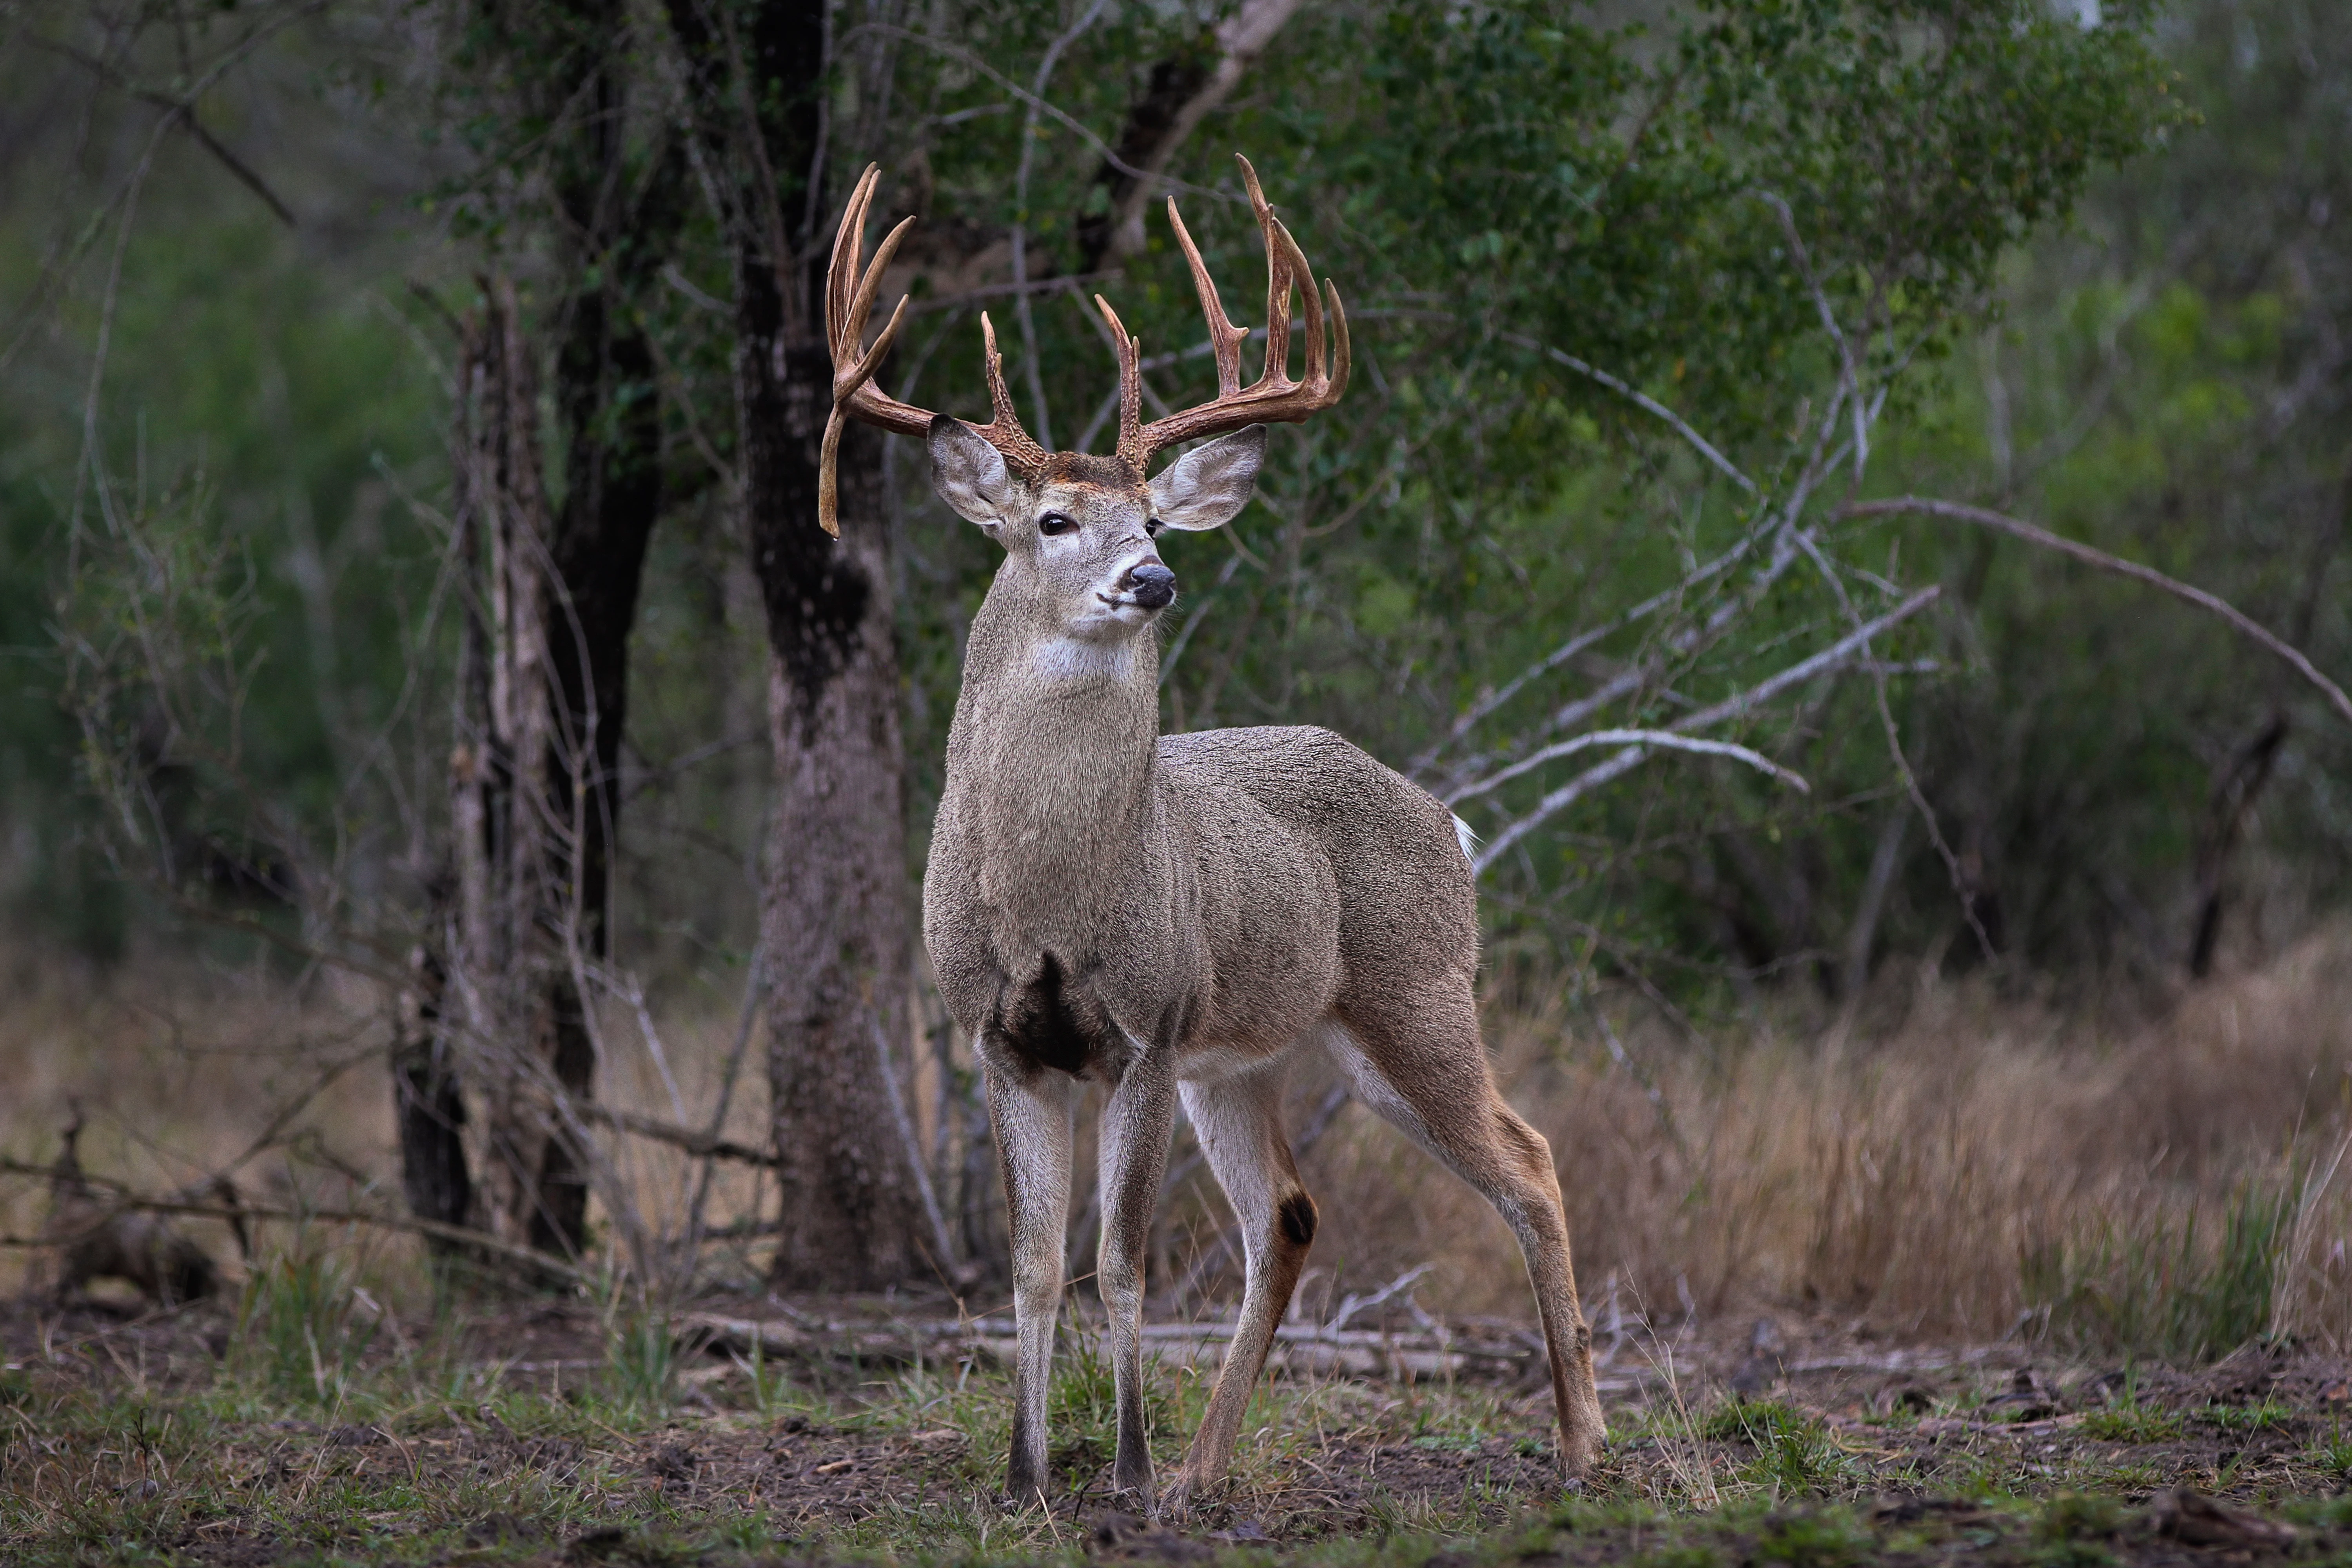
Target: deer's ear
[969, 473]
[1208, 485]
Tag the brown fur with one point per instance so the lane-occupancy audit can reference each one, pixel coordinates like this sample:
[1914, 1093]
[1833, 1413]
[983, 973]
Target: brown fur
[1175, 915]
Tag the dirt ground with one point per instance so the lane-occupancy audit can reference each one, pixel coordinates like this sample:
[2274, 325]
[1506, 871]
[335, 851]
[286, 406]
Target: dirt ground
[1774, 1439]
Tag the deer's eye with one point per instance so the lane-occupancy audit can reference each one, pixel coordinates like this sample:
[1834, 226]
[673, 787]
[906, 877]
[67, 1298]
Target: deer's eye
[1055, 522]
[1152, 527]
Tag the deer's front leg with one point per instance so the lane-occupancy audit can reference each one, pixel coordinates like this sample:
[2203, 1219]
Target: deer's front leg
[1134, 1139]
[1031, 1107]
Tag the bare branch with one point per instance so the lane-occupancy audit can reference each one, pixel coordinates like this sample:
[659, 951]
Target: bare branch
[184, 113]
[703, 1145]
[1732, 706]
[1664, 738]
[1851, 375]
[1243, 35]
[2000, 522]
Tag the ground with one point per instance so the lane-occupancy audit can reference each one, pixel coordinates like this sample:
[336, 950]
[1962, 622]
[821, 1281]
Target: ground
[321, 1429]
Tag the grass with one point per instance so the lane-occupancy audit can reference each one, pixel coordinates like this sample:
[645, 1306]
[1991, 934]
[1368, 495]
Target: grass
[421, 1455]
[2133, 1422]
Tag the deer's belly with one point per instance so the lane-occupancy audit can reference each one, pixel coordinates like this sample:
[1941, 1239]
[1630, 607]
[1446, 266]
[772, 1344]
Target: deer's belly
[1271, 917]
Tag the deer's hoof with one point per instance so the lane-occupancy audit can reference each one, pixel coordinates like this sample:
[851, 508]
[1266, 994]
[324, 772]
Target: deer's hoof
[1177, 1501]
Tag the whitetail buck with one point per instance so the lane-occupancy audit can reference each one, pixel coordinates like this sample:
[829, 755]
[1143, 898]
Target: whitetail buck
[1176, 916]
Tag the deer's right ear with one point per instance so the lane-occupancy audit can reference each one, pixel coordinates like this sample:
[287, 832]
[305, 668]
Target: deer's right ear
[969, 473]
[1208, 485]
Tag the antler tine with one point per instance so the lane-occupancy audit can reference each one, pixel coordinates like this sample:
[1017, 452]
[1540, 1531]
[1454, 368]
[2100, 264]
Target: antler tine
[1310, 300]
[848, 251]
[1224, 338]
[1343, 357]
[1276, 371]
[1003, 430]
[1130, 388]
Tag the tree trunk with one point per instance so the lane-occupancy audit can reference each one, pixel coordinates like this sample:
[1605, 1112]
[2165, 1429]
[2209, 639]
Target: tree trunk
[508, 955]
[536, 782]
[837, 926]
[536, 786]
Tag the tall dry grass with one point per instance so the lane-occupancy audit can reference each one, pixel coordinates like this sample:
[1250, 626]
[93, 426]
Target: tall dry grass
[1977, 1168]
[1970, 1167]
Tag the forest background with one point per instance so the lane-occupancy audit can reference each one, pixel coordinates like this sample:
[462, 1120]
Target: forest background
[420, 651]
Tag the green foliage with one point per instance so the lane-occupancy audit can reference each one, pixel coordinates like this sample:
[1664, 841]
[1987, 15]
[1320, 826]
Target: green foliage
[2270, 1416]
[2133, 1422]
[2161, 1292]
[1795, 1454]
[641, 1357]
[301, 1328]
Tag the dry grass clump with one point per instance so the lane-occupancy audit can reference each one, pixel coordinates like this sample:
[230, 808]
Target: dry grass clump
[1980, 1168]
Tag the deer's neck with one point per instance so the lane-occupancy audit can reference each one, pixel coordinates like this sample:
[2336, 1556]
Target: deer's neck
[1049, 771]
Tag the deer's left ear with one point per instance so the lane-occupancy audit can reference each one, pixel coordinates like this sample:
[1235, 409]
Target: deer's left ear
[1208, 485]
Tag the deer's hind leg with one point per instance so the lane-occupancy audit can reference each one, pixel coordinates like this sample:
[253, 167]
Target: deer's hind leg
[1239, 1122]
[1417, 1059]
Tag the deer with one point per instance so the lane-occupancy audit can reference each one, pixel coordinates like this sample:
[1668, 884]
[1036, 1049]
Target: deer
[1178, 918]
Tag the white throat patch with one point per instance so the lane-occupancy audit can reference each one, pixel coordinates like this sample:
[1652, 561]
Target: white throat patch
[1084, 658]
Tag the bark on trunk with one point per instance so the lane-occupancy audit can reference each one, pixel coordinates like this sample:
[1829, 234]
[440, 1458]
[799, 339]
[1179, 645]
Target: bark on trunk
[536, 782]
[428, 1104]
[837, 927]
[508, 953]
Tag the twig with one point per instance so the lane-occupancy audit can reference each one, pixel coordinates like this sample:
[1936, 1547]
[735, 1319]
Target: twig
[1036, 102]
[183, 112]
[687, 1138]
[1582, 640]
[2000, 522]
[1643, 401]
[755, 989]
[913, 1147]
[1849, 375]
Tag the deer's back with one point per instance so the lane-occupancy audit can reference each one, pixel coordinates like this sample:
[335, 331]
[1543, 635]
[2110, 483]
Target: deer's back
[1406, 892]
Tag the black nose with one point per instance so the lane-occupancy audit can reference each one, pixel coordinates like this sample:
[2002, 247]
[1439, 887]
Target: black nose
[1154, 585]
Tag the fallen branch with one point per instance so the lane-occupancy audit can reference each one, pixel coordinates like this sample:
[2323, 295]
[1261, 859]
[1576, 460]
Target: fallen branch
[121, 1199]
[2016, 528]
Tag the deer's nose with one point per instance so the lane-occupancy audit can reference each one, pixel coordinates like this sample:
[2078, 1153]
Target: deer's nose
[1154, 585]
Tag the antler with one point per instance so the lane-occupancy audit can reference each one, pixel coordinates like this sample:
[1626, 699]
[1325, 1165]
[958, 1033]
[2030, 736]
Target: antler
[854, 390]
[1274, 397]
